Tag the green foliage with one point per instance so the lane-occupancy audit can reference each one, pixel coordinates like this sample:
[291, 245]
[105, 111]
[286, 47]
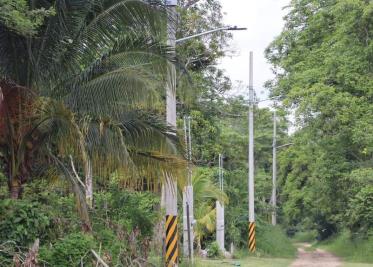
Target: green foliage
[205, 137]
[19, 17]
[69, 251]
[351, 248]
[123, 223]
[213, 250]
[307, 236]
[200, 16]
[3, 186]
[128, 210]
[205, 193]
[360, 212]
[92, 51]
[272, 241]
[23, 222]
[324, 69]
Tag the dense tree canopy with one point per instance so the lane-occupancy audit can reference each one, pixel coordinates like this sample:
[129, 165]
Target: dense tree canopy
[323, 62]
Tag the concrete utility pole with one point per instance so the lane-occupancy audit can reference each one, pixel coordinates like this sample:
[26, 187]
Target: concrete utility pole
[188, 216]
[274, 170]
[220, 209]
[169, 192]
[251, 239]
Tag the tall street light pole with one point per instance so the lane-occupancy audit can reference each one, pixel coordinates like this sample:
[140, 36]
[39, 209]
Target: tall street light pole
[251, 238]
[169, 190]
[188, 202]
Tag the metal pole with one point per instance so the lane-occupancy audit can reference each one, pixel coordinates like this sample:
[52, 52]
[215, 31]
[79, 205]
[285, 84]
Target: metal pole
[274, 170]
[169, 194]
[251, 239]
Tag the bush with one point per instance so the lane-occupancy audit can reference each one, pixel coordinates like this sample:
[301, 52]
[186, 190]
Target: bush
[123, 223]
[129, 210]
[213, 250]
[70, 251]
[22, 221]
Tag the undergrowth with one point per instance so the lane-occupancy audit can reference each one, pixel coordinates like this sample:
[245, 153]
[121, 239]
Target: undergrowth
[351, 248]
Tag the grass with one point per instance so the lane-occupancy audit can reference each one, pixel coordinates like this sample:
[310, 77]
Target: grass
[357, 250]
[273, 242]
[306, 236]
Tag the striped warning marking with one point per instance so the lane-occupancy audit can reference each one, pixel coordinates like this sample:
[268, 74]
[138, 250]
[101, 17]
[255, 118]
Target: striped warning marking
[171, 241]
[252, 244]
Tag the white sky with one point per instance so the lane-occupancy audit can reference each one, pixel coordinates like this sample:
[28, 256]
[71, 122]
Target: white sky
[263, 18]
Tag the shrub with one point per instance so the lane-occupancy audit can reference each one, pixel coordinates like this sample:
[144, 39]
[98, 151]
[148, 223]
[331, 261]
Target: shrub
[70, 251]
[22, 221]
[213, 250]
[129, 210]
[123, 223]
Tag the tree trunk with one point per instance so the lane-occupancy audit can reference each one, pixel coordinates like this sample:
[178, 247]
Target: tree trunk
[88, 183]
[15, 188]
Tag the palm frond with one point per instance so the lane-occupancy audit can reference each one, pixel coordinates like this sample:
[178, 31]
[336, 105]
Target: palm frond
[205, 190]
[104, 24]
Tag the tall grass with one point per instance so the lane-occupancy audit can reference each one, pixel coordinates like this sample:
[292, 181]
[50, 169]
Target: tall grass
[358, 249]
[272, 241]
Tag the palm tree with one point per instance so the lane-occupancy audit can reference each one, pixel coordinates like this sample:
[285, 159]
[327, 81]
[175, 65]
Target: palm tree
[206, 193]
[82, 89]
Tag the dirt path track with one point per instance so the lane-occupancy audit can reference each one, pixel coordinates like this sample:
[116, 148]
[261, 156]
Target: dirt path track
[315, 258]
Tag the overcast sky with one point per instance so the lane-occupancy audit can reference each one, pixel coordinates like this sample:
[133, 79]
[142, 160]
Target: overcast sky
[263, 18]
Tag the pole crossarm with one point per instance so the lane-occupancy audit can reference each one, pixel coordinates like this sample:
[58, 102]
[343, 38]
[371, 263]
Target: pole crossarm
[226, 28]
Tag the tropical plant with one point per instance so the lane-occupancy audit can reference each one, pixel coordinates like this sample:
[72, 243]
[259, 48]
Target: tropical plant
[82, 89]
[80, 102]
[205, 193]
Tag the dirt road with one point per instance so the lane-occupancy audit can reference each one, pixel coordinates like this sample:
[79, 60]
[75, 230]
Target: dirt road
[314, 258]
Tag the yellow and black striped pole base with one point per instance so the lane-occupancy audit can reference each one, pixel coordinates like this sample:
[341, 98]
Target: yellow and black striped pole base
[171, 241]
[252, 243]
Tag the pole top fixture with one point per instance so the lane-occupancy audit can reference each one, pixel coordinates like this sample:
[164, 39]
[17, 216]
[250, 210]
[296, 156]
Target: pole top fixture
[235, 28]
